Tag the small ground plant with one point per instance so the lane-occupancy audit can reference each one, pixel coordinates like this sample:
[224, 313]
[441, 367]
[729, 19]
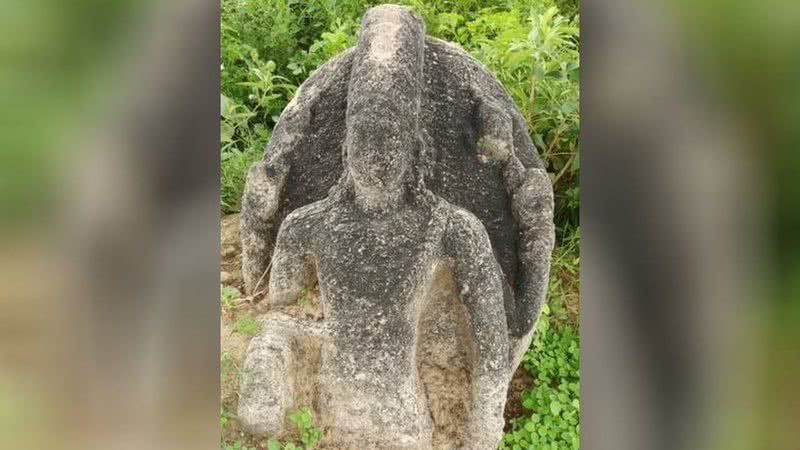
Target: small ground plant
[307, 431]
[229, 297]
[553, 400]
[246, 324]
[306, 434]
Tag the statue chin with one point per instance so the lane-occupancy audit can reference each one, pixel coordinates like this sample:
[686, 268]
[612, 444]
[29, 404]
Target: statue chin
[375, 184]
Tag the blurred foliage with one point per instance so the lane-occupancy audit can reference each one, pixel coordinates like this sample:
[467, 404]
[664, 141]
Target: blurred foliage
[268, 47]
[51, 60]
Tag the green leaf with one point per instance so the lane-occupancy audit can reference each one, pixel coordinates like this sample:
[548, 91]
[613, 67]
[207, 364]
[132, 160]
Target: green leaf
[225, 132]
[569, 107]
[539, 141]
[223, 105]
[538, 71]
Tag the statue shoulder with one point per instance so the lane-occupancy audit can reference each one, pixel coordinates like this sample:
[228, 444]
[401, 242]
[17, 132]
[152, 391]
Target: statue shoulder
[306, 218]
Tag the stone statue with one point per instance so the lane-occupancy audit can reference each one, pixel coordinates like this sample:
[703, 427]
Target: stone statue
[421, 325]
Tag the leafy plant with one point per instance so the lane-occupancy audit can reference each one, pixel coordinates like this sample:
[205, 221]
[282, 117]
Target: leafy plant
[553, 93]
[246, 324]
[553, 401]
[241, 145]
[229, 296]
[341, 36]
[307, 432]
[234, 165]
[236, 445]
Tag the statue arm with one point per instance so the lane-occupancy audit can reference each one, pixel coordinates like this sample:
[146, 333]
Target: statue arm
[532, 205]
[291, 262]
[531, 196]
[479, 280]
[260, 201]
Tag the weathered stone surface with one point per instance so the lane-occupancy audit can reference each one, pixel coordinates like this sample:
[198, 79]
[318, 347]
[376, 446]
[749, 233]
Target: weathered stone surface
[280, 372]
[403, 180]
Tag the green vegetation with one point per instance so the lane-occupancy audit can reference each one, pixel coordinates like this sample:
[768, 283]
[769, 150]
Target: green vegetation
[246, 324]
[305, 297]
[552, 403]
[229, 297]
[269, 47]
[306, 431]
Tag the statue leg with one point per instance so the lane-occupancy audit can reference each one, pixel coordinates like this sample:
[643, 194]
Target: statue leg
[266, 395]
[280, 373]
[260, 203]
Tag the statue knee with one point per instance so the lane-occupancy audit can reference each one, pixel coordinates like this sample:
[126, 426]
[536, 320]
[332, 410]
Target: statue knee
[266, 396]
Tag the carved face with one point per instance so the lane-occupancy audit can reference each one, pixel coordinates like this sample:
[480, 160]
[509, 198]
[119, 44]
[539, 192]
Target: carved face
[378, 152]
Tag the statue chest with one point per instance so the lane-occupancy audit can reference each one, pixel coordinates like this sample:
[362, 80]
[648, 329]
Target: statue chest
[379, 260]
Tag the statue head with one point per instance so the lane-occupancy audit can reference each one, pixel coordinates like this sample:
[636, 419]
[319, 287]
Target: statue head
[384, 98]
[379, 147]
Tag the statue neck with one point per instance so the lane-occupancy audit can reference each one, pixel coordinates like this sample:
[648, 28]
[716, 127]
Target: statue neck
[379, 201]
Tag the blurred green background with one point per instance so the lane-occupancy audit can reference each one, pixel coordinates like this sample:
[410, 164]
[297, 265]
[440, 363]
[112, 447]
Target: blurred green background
[58, 61]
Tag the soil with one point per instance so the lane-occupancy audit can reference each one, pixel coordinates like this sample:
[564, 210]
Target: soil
[521, 381]
[230, 252]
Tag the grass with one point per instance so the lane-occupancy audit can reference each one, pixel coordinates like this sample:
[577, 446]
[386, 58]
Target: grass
[563, 288]
[233, 171]
[230, 298]
[247, 325]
